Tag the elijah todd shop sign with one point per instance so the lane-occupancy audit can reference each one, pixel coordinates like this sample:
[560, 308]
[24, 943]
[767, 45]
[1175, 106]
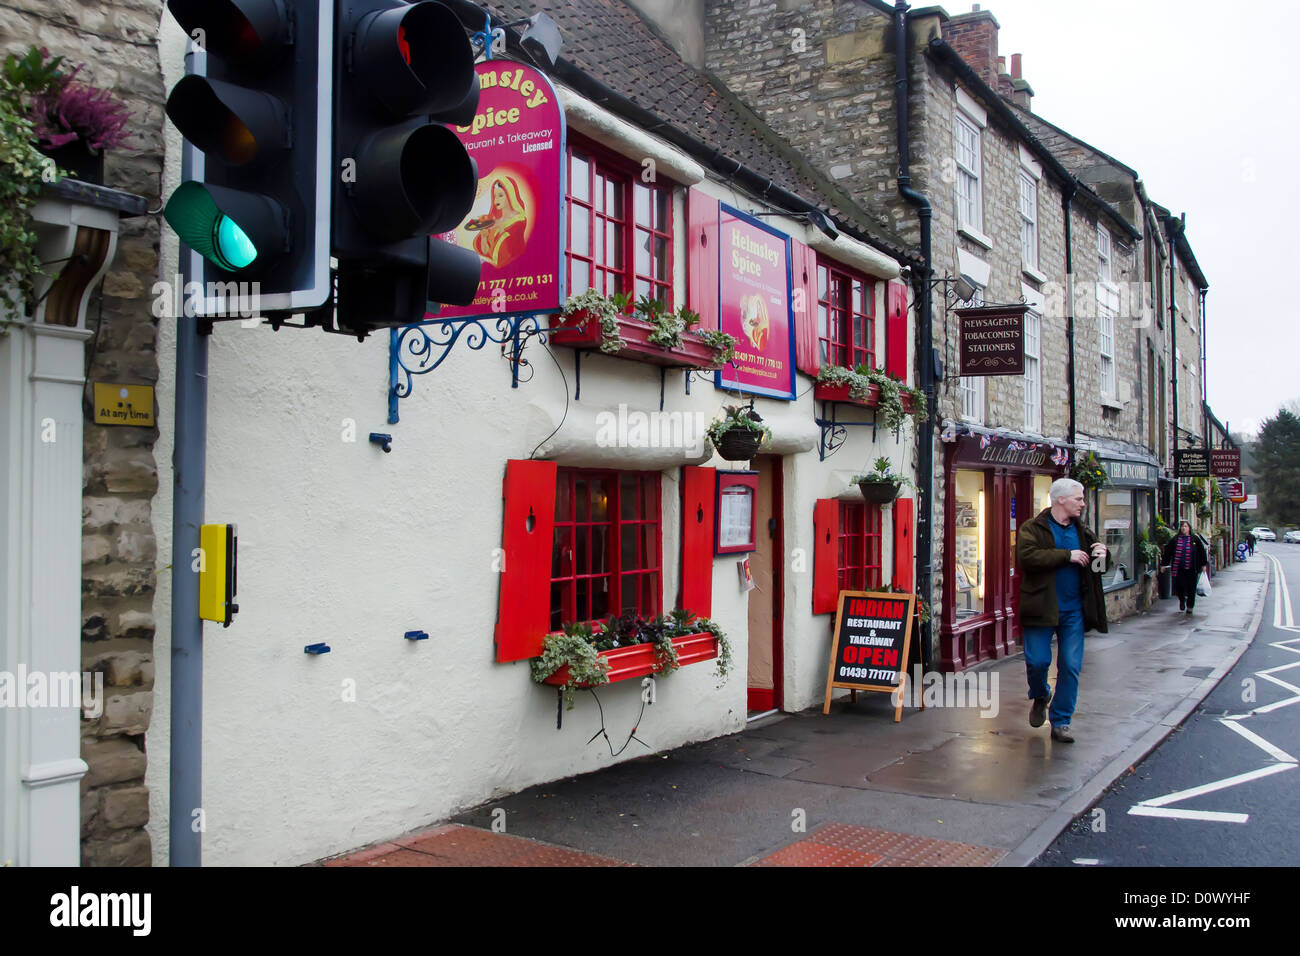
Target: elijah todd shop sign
[870, 644]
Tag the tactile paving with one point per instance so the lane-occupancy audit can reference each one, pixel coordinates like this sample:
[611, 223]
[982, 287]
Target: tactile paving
[844, 844]
[454, 845]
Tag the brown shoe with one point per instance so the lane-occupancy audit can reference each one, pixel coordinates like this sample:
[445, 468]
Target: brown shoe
[1062, 734]
[1038, 712]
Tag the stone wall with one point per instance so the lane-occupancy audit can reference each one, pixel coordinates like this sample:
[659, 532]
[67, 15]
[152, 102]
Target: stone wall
[117, 43]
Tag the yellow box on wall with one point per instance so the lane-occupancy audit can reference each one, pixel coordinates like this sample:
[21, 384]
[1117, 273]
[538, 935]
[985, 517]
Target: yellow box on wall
[217, 573]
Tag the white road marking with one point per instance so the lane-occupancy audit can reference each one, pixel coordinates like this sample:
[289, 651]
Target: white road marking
[1086, 861]
[1212, 816]
[1282, 612]
[1277, 753]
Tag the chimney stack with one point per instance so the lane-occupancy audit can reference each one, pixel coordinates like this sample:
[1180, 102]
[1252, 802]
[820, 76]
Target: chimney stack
[1021, 92]
[974, 36]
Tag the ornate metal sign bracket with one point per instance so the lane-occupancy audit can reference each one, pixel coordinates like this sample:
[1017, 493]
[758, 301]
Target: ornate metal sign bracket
[419, 349]
[834, 432]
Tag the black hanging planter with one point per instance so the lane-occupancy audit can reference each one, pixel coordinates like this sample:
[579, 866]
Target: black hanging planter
[879, 492]
[78, 160]
[738, 444]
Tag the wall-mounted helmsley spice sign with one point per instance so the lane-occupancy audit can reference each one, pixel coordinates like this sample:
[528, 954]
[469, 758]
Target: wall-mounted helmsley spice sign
[993, 340]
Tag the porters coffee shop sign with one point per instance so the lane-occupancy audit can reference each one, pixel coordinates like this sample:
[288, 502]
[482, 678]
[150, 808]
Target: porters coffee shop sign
[992, 340]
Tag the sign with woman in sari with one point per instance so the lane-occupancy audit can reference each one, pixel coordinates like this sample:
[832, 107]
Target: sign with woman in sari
[516, 222]
[754, 305]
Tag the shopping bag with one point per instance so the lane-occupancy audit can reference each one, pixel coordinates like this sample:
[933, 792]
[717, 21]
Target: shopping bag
[1203, 585]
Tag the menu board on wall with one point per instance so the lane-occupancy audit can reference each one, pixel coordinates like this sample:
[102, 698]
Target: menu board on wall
[516, 222]
[754, 306]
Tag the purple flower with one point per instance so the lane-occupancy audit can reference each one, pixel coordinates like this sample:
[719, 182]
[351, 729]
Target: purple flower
[70, 111]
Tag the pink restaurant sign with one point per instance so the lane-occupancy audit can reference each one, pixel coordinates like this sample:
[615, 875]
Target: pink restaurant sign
[754, 305]
[516, 222]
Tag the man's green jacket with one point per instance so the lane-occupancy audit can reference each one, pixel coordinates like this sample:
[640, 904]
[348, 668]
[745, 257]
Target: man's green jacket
[1038, 558]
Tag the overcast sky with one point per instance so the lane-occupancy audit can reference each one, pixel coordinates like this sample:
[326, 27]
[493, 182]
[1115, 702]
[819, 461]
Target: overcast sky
[1199, 99]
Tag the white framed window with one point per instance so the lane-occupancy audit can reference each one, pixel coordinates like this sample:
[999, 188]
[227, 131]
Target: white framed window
[1033, 373]
[970, 204]
[1103, 254]
[970, 388]
[1028, 221]
[1106, 334]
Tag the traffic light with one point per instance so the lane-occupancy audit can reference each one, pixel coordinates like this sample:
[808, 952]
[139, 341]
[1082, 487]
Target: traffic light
[402, 69]
[255, 111]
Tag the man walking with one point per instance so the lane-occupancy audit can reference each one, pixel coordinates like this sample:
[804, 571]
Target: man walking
[1062, 562]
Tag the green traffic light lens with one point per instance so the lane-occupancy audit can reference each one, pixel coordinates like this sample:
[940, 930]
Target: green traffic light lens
[205, 228]
[233, 245]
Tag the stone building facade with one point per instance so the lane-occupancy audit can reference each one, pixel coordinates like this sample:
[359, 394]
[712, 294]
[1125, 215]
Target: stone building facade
[117, 44]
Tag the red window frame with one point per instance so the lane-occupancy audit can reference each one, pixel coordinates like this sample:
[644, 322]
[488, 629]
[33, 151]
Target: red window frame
[623, 572]
[628, 226]
[846, 316]
[859, 561]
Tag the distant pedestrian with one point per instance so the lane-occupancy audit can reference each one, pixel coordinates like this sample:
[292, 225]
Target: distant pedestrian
[1250, 542]
[1061, 592]
[1186, 556]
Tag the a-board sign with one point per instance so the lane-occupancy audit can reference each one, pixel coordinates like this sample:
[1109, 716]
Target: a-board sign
[873, 632]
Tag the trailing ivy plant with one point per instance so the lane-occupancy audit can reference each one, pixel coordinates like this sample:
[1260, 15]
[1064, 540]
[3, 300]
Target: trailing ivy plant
[722, 343]
[576, 649]
[889, 402]
[23, 170]
[604, 309]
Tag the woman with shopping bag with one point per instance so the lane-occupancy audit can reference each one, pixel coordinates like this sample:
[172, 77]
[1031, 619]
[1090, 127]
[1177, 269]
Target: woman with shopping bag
[1185, 556]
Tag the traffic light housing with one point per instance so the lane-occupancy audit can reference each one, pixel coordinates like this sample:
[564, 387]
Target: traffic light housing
[400, 176]
[255, 109]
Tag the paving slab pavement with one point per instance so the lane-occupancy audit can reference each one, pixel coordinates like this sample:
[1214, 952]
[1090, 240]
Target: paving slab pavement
[982, 789]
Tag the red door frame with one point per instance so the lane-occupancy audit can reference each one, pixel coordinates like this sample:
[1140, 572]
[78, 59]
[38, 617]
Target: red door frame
[762, 699]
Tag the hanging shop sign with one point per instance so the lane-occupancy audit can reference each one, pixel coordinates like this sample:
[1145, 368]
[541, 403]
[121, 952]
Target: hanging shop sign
[1225, 462]
[1192, 463]
[754, 306]
[123, 404]
[873, 632]
[1234, 489]
[1251, 503]
[516, 224]
[992, 340]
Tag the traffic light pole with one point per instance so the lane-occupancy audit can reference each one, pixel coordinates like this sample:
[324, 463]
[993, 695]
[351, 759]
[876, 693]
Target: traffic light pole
[189, 466]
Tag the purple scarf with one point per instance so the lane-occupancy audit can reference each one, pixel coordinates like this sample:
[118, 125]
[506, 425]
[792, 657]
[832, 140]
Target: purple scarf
[1183, 553]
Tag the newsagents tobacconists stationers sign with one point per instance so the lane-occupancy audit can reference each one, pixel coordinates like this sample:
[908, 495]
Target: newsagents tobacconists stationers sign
[516, 223]
[754, 306]
[873, 632]
[992, 340]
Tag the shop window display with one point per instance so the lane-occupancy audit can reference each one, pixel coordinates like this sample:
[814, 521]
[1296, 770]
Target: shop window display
[970, 543]
[1115, 526]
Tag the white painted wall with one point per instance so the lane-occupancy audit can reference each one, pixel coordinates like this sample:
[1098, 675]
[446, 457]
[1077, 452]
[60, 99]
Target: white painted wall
[343, 544]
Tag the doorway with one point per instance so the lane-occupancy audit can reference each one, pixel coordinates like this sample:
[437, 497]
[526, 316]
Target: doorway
[766, 604]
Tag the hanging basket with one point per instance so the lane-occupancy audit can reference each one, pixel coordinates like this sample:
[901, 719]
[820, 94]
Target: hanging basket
[739, 444]
[879, 492]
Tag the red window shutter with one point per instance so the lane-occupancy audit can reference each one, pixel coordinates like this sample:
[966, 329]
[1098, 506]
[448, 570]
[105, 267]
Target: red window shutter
[803, 287]
[896, 331]
[524, 603]
[904, 565]
[702, 257]
[826, 555]
[698, 491]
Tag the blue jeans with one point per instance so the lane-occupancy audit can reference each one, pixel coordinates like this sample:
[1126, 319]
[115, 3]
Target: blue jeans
[1069, 661]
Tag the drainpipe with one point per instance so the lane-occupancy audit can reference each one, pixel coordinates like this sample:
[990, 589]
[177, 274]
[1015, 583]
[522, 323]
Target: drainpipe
[1171, 230]
[925, 351]
[1067, 195]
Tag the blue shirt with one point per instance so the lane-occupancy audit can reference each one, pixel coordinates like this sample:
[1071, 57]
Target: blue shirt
[1069, 585]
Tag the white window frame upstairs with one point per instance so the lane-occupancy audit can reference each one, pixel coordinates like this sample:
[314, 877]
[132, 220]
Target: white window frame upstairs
[1028, 221]
[1107, 310]
[1103, 254]
[970, 388]
[1033, 373]
[968, 185]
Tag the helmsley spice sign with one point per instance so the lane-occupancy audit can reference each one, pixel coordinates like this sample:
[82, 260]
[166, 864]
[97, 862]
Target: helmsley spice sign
[992, 340]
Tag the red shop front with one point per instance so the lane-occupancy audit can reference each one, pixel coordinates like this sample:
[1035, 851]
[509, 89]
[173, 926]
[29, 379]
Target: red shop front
[993, 485]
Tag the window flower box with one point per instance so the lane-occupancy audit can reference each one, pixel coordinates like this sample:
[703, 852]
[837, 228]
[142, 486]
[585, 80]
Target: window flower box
[582, 330]
[639, 660]
[827, 392]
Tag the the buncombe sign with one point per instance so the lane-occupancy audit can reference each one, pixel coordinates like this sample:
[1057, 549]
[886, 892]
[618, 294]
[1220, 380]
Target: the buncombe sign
[992, 340]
